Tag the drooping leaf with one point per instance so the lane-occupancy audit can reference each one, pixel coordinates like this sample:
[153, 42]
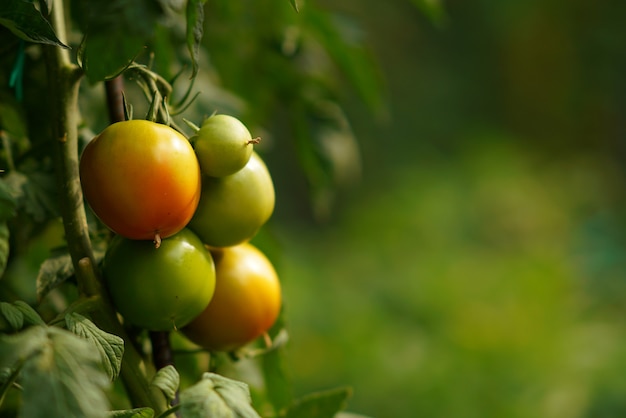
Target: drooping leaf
[25, 21]
[195, 29]
[109, 346]
[60, 375]
[342, 40]
[52, 272]
[215, 396]
[323, 404]
[167, 380]
[126, 25]
[132, 413]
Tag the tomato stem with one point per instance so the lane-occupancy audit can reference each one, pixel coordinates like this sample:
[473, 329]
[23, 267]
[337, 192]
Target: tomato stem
[254, 140]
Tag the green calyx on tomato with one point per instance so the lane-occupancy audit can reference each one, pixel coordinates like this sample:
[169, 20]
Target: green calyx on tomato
[159, 289]
[141, 179]
[233, 208]
[246, 303]
[223, 145]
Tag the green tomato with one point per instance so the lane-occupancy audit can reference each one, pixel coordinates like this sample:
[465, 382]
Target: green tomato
[233, 208]
[223, 145]
[163, 288]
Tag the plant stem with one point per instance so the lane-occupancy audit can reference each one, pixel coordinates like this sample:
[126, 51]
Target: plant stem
[63, 83]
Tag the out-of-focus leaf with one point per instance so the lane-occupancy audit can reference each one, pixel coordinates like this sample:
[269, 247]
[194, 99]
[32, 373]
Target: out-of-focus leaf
[294, 4]
[276, 382]
[127, 25]
[323, 404]
[132, 413]
[35, 192]
[60, 375]
[25, 21]
[195, 29]
[167, 380]
[110, 347]
[8, 202]
[433, 9]
[215, 396]
[343, 41]
[52, 272]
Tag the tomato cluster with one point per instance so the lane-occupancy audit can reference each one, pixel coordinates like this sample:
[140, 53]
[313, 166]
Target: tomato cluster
[183, 216]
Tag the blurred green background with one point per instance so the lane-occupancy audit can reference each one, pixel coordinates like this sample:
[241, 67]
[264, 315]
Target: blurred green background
[478, 268]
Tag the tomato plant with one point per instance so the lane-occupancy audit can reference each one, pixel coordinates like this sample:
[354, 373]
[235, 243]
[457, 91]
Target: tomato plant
[223, 145]
[141, 178]
[246, 303]
[88, 334]
[233, 208]
[163, 288]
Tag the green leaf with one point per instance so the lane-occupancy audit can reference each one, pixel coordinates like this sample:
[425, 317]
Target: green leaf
[294, 4]
[433, 9]
[215, 396]
[323, 404]
[12, 314]
[167, 380]
[52, 272]
[110, 347]
[195, 29]
[132, 413]
[60, 375]
[35, 191]
[25, 21]
[31, 316]
[127, 25]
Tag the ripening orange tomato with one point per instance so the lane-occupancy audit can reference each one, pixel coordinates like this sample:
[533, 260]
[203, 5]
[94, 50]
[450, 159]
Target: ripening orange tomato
[141, 179]
[246, 302]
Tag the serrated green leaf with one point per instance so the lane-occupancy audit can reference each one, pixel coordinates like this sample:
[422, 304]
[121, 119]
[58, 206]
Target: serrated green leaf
[323, 404]
[25, 21]
[215, 396]
[52, 272]
[167, 380]
[110, 347]
[12, 314]
[132, 413]
[31, 317]
[127, 25]
[195, 30]
[62, 378]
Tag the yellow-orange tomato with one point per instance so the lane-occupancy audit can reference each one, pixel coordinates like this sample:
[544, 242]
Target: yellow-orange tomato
[141, 178]
[245, 304]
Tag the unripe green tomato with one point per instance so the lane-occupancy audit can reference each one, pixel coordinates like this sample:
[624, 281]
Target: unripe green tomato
[246, 303]
[233, 208]
[163, 288]
[223, 145]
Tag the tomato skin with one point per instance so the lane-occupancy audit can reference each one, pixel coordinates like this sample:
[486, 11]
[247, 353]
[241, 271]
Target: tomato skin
[141, 178]
[246, 303]
[233, 208]
[223, 145]
[163, 288]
